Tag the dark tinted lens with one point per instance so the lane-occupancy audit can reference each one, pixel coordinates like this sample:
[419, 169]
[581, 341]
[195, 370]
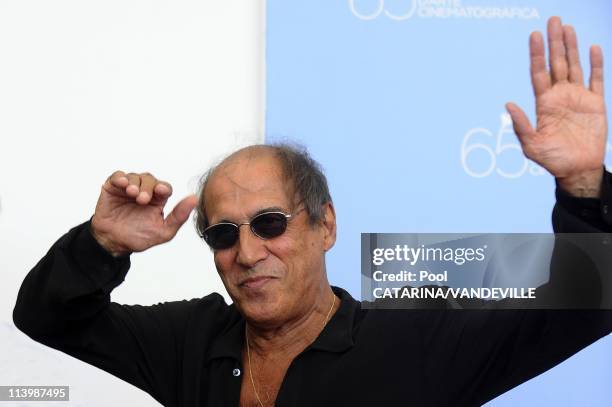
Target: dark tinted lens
[221, 236]
[269, 225]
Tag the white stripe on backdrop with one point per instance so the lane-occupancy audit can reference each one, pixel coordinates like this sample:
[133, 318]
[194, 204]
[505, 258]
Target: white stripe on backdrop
[90, 87]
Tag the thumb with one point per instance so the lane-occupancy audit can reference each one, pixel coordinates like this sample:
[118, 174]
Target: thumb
[179, 215]
[520, 122]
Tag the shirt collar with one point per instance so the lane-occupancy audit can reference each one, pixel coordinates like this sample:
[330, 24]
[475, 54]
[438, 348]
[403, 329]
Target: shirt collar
[337, 336]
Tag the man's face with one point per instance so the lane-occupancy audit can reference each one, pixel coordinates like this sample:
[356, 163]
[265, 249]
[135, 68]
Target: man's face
[275, 280]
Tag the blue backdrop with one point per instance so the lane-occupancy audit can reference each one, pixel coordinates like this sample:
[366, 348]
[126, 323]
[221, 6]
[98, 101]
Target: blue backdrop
[402, 101]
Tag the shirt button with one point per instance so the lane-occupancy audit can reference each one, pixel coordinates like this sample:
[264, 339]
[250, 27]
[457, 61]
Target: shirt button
[236, 372]
[604, 209]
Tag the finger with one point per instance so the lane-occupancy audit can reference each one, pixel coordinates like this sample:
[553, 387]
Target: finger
[179, 215]
[115, 184]
[118, 179]
[163, 189]
[520, 122]
[540, 78]
[556, 50]
[573, 57]
[161, 192]
[133, 187]
[147, 183]
[596, 83]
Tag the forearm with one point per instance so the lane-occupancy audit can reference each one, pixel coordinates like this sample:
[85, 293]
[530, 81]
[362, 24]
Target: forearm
[582, 258]
[68, 286]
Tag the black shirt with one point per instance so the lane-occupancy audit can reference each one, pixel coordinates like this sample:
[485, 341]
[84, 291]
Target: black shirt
[188, 353]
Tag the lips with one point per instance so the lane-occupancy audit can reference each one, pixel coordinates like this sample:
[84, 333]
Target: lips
[256, 282]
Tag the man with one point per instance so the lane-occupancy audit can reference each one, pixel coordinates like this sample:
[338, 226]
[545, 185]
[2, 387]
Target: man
[290, 339]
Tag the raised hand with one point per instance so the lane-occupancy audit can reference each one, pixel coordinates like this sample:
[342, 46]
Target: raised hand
[129, 214]
[570, 138]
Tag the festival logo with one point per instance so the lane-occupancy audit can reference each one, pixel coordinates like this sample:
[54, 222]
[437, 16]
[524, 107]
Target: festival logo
[484, 152]
[402, 10]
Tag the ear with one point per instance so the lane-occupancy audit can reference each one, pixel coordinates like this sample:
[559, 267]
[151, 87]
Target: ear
[329, 226]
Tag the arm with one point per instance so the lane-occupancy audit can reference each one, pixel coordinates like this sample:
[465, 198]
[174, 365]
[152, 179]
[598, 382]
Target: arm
[64, 302]
[488, 352]
[495, 350]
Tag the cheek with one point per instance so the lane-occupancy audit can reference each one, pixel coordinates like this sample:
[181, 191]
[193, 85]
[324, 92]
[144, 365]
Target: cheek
[223, 263]
[287, 250]
[298, 256]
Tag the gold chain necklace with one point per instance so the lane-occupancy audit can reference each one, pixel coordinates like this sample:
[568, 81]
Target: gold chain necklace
[249, 349]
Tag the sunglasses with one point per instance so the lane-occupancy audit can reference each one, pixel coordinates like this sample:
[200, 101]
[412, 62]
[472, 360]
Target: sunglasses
[266, 225]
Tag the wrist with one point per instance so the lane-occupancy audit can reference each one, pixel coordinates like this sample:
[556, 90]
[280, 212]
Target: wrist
[107, 244]
[584, 185]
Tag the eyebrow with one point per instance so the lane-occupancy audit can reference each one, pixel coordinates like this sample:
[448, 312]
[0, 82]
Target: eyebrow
[259, 212]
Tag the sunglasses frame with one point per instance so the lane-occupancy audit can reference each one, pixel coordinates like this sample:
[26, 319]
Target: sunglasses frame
[287, 216]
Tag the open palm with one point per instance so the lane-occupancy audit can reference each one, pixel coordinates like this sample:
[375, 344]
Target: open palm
[570, 136]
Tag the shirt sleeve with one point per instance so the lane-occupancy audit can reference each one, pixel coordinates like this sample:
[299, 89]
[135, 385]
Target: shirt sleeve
[64, 302]
[492, 351]
[582, 215]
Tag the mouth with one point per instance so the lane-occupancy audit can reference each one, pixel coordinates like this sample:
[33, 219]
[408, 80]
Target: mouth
[256, 282]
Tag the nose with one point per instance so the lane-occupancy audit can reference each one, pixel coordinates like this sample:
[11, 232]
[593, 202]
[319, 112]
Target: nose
[251, 249]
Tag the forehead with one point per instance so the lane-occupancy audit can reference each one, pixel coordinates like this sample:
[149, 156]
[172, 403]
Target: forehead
[245, 184]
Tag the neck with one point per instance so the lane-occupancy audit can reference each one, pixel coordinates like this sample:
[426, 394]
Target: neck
[294, 335]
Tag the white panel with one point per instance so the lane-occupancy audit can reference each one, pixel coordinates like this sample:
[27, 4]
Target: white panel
[90, 87]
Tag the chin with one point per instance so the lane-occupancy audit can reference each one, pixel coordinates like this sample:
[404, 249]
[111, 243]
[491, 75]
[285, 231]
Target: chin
[262, 311]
